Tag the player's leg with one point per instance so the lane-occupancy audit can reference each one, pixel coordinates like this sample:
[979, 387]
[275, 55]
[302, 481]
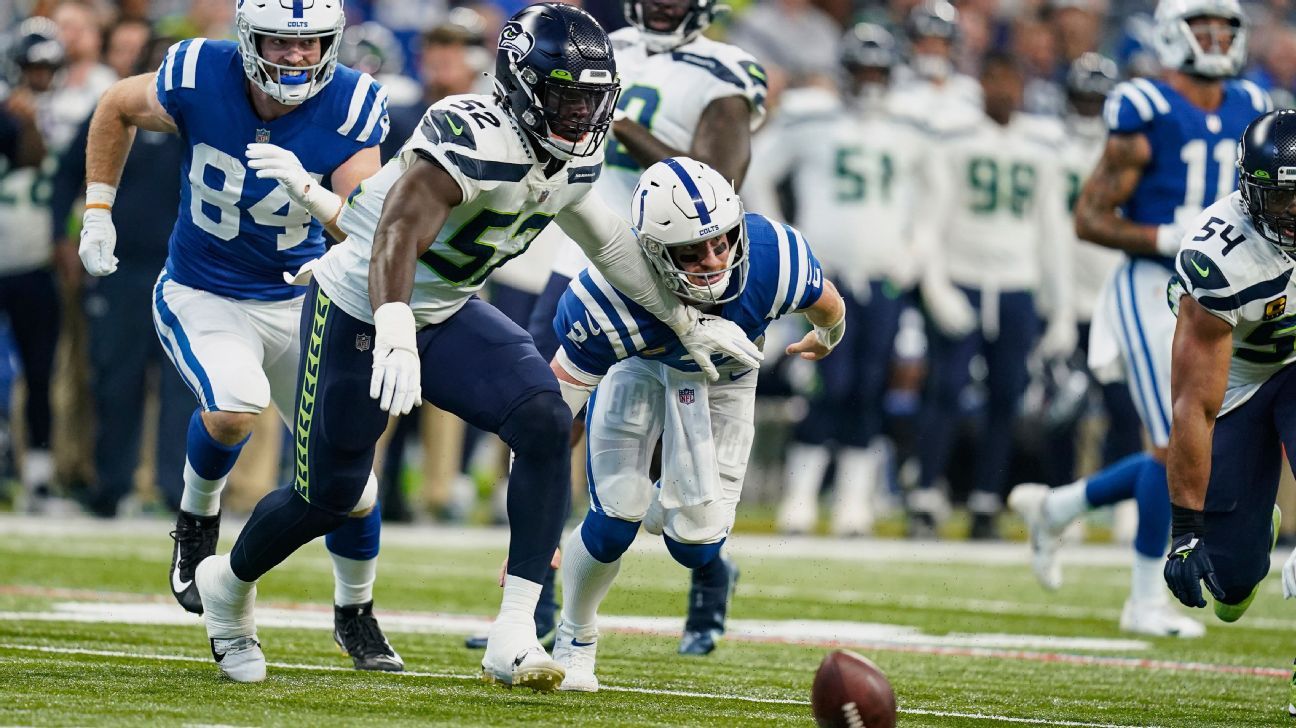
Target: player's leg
[218, 353]
[175, 403]
[353, 546]
[484, 368]
[34, 315]
[336, 426]
[623, 423]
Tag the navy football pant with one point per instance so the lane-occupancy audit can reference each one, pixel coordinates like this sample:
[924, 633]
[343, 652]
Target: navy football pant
[32, 302]
[477, 365]
[1246, 458]
[847, 408]
[1006, 379]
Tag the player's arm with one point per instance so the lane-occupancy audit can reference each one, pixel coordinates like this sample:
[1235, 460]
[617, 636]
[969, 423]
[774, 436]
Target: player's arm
[20, 136]
[828, 316]
[722, 139]
[1112, 183]
[1203, 347]
[279, 164]
[347, 177]
[1056, 242]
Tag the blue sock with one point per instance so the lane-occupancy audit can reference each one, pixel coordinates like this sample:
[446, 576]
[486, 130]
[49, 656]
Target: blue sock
[1118, 481]
[357, 538]
[1153, 495]
[210, 459]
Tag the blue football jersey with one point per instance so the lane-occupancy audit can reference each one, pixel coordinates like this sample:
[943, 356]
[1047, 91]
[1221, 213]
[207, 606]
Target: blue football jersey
[236, 235]
[1193, 150]
[599, 326]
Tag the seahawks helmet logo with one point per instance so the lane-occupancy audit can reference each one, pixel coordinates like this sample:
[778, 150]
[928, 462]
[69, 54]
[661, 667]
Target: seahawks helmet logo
[516, 42]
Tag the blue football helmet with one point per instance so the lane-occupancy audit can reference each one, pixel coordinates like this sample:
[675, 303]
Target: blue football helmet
[1266, 162]
[651, 17]
[555, 75]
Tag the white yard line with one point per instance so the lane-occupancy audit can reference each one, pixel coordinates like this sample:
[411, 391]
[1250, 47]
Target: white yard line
[605, 688]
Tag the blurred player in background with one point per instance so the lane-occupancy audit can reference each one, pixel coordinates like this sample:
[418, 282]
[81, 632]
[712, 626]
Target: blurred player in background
[683, 94]
[641, 388]
[933, 84]
[1170, 152]
[993, 233]
[854, 167]
[225, 315]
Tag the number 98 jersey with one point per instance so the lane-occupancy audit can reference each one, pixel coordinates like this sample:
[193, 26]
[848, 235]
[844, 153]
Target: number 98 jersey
[1238, 276]
[236, 235]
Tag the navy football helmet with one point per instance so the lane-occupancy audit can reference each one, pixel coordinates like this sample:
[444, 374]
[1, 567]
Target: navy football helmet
[668, 24]
[1089, 79]
[869, 46]
[1266, 162]
[555, 75]
[933, 19]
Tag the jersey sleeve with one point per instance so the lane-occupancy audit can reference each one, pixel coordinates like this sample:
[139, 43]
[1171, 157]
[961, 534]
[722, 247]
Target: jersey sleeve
[585, 331]
[181, 77]
[446, 137]
[366, 122]
[1132, 107]
[1259, 98]
[800, 280]
[734, 73]
[1200, 276]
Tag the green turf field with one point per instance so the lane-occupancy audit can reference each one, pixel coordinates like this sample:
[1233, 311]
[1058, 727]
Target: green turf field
[89, 636]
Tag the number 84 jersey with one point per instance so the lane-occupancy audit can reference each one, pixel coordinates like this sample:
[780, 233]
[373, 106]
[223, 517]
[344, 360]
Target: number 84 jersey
[1238, 276]
[507, 200]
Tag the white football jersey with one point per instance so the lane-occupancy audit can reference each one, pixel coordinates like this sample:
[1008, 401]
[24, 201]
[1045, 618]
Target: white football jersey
[936, 107]
[1093, 263]
[853, 176]
[994, 207]
[26, 229]
[1237, 275]
[507, 201]
[666, 93]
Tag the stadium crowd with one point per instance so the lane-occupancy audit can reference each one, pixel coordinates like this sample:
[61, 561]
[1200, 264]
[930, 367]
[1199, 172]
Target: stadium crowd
[93, 418]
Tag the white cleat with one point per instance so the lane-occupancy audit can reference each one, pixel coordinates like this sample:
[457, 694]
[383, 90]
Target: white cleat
[240, 659]
[798, 515]
[852, 519]
[1028, 501]
[514, 658]
[1159, 619]
[577, 658]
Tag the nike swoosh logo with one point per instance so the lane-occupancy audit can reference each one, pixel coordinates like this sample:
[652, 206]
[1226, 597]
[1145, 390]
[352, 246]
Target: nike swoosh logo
[739, 375]
[177, 585]
[576, 643]
[453, 126]
[1203, 272]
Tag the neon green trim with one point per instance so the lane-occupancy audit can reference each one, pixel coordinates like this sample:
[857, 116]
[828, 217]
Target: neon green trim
[560, 74]
[453, 126]
[1203, 272]
[306, 404]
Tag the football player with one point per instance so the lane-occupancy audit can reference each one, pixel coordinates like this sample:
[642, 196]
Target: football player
[995, 233]
[859, 175]
[641, 386]
[1233, 388]
[225, 315]
[1170, 152]
[932, 32]
[683, 94]
[392, 319]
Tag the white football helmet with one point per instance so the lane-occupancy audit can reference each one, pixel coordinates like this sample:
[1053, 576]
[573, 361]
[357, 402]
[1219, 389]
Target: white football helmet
[1177, 48]
[679, 202]
[321, 19]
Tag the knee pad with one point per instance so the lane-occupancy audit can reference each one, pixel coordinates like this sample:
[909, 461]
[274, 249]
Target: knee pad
[368, 498]
[606, 538]
[540, 424]
[693, 555]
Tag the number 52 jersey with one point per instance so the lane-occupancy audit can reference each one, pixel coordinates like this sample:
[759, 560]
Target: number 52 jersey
[1238, 276]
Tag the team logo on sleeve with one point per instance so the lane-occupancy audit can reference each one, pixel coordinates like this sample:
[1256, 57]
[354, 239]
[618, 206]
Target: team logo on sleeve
[1275, 308]
[687, 395]
[516, 42]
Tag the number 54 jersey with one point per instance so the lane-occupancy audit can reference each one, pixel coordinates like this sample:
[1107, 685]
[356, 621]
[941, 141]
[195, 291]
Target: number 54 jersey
[507, 201]
[1237, 275]
[236, 234]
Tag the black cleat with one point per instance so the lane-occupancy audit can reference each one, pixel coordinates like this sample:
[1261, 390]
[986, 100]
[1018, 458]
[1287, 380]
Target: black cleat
[712, 588]
[985, 527]
[921, 526]
[195, 539]
[356, 631]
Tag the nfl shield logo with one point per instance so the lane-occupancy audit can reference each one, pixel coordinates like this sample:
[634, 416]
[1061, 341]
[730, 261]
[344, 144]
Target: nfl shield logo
[262, 136]
[363, 341]
[543, 196]
[686, 396]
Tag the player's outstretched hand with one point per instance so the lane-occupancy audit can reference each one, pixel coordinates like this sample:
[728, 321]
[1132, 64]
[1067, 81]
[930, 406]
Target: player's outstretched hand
[98, 240]
[279, 164]
[396, 381]
[714, 335]
[949, 308]
[1059, 339]
[1187, 567]
[810, 347]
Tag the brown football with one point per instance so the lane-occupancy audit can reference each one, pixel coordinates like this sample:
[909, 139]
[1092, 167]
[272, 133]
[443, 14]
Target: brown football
[851, 692]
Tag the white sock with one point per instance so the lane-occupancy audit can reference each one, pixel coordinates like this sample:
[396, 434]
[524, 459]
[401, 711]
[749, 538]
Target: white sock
[1065, 503]
[1147, 583]
[201, 496]
[37, 468]
[857, 474]
[519, 602]
[585, 581]
[229, 589]
[805, 470]
[353, 580]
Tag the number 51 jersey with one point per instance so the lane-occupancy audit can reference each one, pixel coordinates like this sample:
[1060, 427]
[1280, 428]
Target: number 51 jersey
[1240, 277]
[236, 235]
[507, 201]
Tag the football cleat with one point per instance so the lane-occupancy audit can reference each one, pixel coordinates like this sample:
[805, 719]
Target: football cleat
[240, 658]
[577, 658]
[709, 595]
[798, 515]
[514, 658]
[1158, 619]
[356, 631]
[1291, 693]
[195, 539]
[1028, 501]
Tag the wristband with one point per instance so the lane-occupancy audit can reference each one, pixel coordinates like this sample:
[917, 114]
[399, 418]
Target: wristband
[1184, 521]
[100, 196]
[830, 336]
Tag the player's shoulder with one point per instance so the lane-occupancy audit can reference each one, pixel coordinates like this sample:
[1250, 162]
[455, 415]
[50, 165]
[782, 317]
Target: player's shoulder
[199, 64]
[625, 38]
[725, 62]
[1225, 262]
[1047, 132]
[1138, 103]
[1248, 96]
[473, 134]
[809, 105]
[355, 105]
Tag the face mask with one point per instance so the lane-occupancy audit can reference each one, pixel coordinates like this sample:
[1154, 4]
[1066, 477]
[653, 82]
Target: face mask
[931, 66]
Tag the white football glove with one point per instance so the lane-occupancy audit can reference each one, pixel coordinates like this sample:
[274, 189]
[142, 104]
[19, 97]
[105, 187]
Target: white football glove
[98, 234]
[277, 163]
[1169, 237]
[396, 372]
[707, 335]
[1289, 577]
[948, 308]
[1059, 339]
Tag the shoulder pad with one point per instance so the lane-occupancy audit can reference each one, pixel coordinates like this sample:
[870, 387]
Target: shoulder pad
[1258, 97]
[365, 106]
[1200, 271]
[1134, 104]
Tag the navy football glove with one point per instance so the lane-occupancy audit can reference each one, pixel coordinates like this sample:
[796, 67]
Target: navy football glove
[1188, 565]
